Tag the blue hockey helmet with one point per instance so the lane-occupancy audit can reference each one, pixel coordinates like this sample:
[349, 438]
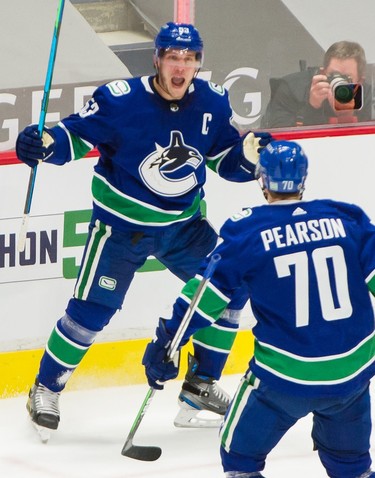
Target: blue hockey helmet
[178, 35]
[283, 167]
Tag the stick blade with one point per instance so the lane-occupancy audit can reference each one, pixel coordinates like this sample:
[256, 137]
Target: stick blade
[142, 453]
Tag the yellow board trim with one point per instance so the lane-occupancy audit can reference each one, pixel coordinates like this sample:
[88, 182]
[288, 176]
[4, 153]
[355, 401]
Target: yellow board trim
[106, 365]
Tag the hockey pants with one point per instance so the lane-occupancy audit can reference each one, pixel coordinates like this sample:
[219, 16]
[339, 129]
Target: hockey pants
[110, 261]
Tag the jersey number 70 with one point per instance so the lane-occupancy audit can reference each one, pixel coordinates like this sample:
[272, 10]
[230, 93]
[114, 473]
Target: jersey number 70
[320, 257]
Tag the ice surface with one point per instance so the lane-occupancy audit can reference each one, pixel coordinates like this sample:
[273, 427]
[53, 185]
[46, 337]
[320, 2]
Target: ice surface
[94, 425]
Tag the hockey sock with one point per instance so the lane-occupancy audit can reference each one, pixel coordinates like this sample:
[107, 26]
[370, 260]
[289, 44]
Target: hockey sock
[212, 346]
[66, 347]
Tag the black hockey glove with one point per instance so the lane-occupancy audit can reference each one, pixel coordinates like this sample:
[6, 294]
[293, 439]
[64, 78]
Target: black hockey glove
[31, 149]
[252, 144]
[158, 367]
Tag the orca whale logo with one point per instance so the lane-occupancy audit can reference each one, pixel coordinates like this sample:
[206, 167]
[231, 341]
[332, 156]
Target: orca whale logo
[170, 170]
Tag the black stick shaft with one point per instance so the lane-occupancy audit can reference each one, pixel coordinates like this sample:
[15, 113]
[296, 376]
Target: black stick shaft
[146, 453]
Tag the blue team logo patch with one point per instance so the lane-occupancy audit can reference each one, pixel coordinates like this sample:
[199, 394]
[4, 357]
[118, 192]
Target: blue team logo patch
[241, 215]
[118, 87]
[170, 170]
[216, 88]
[107, 283]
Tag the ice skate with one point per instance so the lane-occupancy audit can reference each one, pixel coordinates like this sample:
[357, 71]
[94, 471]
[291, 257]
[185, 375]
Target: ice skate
[243, 474]
[43, 408]
[368, 474]
[202, 402]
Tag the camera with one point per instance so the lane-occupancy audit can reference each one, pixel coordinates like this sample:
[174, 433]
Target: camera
[347, 95]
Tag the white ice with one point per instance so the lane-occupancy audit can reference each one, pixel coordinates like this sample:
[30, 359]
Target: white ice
[95, 423]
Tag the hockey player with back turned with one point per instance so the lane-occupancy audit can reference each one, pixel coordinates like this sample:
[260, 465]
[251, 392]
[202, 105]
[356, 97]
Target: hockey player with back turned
[155, 136]
[308, 267]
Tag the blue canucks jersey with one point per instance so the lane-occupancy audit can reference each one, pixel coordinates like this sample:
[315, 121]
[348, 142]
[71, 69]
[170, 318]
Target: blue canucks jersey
[308, 268]
[153, 152]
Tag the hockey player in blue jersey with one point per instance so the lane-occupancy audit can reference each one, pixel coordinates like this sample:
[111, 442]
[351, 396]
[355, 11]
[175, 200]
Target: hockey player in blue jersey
[308, 267]
[155, 136]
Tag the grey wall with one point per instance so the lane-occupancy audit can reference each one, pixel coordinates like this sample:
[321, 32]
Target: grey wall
[262, 34]
[26, 29]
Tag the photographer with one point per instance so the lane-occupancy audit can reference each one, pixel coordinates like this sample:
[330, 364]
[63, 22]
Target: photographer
[308, 97]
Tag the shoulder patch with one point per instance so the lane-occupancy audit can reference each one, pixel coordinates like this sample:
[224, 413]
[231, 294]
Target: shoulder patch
[242, 214]
[220, 90]
[118, 87]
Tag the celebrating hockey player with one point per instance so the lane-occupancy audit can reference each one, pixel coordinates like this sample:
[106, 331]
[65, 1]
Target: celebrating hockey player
[308, 267]
[155, 136]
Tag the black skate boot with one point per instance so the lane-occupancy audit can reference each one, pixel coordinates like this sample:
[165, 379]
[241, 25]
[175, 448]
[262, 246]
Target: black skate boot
[200, 394]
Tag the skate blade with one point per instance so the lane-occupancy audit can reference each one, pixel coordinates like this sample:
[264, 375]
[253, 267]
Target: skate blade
[197, 419]
[43, 432]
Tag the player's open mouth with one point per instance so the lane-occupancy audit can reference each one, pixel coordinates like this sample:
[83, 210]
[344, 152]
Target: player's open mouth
[178, 81]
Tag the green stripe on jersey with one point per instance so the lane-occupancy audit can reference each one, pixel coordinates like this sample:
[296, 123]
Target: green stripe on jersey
[214, 162]
[216, 338]
[211, 303]
[136, 211]
[371, 284]
[320, 370]
[79, 148]
[66, 352]
[99, 234]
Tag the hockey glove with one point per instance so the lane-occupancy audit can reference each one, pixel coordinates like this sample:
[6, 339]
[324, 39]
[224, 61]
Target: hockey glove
[31, 149]
[158, 367]
[252, 145]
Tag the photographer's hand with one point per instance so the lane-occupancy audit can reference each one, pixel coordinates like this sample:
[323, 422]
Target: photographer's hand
[319, 90]
[341, 109]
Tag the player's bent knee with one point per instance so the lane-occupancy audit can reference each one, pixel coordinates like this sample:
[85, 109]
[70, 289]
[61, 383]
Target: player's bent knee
[338, 467]
[90, 315]
[77, 332]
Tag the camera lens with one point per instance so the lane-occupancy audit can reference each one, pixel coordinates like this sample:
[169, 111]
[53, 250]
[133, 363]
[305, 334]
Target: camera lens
[343, 93]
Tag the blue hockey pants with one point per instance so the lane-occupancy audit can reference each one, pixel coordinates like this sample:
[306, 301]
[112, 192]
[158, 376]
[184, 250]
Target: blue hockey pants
[259, 416]
[110, 261]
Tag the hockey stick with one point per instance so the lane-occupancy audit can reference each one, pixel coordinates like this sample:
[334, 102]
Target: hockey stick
[152, 453]
[42, 118]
